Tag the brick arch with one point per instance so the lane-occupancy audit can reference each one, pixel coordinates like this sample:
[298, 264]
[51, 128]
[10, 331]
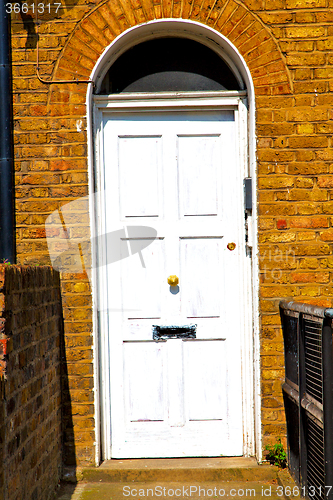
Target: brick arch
[97, 30]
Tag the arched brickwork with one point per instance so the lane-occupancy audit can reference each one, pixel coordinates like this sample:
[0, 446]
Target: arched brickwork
[108, 20]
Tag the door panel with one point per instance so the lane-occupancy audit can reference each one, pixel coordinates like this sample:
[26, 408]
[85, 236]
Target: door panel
[194, 152]
[201, 290]
[175, 172]
[205, 381]
[139, 158]
[141, 286]
[144, 384]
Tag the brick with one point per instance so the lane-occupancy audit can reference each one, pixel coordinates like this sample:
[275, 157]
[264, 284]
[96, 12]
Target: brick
[301, 59]
[280, 142]
[308, 142]
[304, 182]
[326, 235]
[309, 222]
[33, 124]
[311, 249]
[326, 182]
[272, 348]
[325, 128]
[82, 369]
[277, 237]
[264, 116]
[325, 44]
[40, 179]
[275, 129]
[282, 291]
[275, 182]
[307, 114]
[317, 277]
[306, 236]
[305, 32]
[276, 195]
[302, 155]
[309, 263]
[278, 209]
[83, 383]
[266, 223]
[325, 154]
[274, 102]
[312, 86]
[323, 73]
[305, 4]
[281, 224]
[302, 74]
[265, 168]
[272, 361]
[272, 267]
[82, 409]
[305, 168]
[279, 115]
[309, 291]
[272, 374]
[327, 208]
[270, 319]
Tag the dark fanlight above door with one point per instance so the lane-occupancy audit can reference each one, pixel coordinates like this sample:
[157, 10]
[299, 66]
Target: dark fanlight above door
[169, 64]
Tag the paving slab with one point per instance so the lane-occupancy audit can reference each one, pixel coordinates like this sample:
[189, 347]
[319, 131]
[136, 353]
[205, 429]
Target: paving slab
[173, 491]
[178, 469]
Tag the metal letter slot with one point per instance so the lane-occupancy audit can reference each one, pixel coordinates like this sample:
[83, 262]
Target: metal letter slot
[174, 332]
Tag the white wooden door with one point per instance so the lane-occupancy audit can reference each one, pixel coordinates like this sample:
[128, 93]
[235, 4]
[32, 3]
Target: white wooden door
[176, 172]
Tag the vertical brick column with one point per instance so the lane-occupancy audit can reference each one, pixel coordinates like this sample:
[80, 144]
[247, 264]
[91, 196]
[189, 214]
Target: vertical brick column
[2, 437]
[30, 373]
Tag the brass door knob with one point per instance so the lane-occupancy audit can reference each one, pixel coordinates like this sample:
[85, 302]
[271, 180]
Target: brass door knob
[173, 280]
[231, 246]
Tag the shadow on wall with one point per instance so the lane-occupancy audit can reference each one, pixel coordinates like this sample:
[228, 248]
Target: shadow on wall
[37, 12]
[68, 446]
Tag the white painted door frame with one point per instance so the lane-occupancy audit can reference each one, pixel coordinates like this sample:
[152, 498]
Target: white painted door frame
[170, 101]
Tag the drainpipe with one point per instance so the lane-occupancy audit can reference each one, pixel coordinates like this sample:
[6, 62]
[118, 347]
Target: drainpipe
[7, 211]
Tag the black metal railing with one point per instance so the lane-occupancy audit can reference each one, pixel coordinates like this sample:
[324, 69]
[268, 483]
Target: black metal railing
[308, 396]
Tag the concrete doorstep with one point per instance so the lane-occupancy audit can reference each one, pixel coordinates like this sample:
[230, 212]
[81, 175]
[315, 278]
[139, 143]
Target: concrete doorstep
[173, 479]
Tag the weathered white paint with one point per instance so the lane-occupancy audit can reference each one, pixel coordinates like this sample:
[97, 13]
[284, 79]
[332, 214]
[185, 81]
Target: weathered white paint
[194, 225]
[250, 360]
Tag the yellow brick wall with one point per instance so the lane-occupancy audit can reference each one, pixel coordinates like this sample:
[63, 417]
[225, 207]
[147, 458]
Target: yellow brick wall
[288, 47]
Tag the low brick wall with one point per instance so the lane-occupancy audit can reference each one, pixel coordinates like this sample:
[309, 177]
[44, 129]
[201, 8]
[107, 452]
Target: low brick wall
[2, 436]
[30, 406]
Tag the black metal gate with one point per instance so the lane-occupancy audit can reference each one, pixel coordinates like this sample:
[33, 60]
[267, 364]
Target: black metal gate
[308, 396]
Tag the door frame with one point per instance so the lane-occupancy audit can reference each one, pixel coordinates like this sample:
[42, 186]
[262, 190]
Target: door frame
[175, 100]
[225, 100]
